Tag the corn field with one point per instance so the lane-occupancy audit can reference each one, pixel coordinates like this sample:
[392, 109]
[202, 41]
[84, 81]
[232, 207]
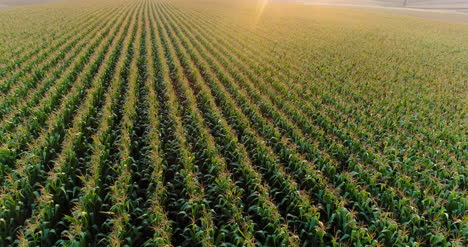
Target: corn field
[230, 123]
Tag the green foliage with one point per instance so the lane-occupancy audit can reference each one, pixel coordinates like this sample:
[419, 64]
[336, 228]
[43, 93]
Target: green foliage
[192, 123]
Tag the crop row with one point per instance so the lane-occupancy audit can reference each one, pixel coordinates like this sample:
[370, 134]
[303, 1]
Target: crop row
[146, 124]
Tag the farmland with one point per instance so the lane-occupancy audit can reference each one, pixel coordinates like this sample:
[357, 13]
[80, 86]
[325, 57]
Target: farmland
[230, 123]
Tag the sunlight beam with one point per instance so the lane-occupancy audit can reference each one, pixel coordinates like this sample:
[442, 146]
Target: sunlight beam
[261, 5]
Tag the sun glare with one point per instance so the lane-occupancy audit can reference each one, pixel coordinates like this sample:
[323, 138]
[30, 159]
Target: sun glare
[261, 5]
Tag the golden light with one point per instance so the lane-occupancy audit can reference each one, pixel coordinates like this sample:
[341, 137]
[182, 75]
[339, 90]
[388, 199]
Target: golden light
[261, 5]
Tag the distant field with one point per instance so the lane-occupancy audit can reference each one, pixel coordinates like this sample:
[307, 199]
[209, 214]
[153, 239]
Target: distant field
[18, 3]
[231, 123]
[438, 4]
[450, 10]
[435, 4]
